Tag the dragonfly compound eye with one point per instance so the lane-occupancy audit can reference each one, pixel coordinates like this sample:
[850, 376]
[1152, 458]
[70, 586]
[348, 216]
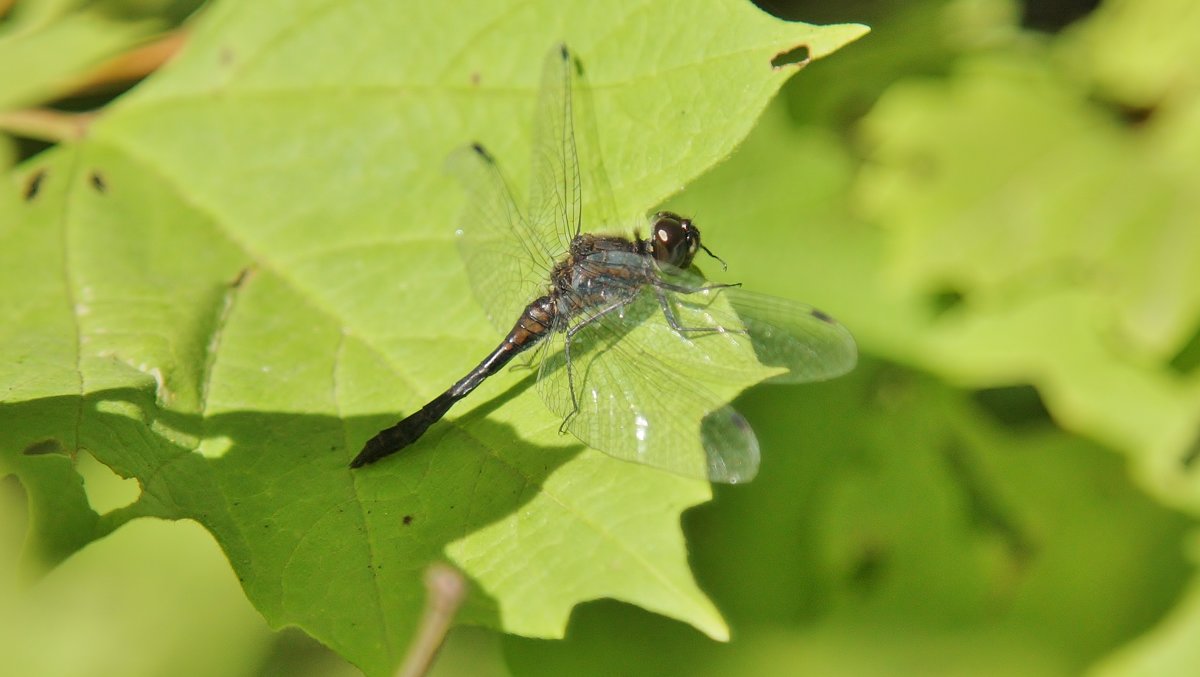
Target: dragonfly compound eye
[673, 240]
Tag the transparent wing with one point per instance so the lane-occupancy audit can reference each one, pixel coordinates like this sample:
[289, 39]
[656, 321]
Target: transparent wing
[509, 256]
[636, 406]
[507, 261]
[805, 342]
[599, 207]
[802, 342]
[644, 390]
[555, 189]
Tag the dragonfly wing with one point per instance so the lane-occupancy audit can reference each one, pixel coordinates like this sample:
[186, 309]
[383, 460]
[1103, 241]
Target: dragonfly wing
[555, 189]
[645, 386]
[507, 261]
[803, 343]
[807, 343]
[637, 396]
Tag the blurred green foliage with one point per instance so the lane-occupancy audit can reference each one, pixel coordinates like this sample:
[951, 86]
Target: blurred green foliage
[999, 201]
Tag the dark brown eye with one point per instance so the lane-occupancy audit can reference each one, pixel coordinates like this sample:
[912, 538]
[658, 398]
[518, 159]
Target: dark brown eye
[673, 240]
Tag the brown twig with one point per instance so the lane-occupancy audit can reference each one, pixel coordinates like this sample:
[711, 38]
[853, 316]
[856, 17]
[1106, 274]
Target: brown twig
[45, 124]
[133, 65]
[447, 588]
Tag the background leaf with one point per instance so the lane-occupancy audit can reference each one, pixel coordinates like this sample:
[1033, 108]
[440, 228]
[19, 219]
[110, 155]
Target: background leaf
[246, 269]
[993, 195]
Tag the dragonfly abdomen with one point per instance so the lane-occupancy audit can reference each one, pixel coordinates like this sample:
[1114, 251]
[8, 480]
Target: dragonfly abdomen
[534, 324]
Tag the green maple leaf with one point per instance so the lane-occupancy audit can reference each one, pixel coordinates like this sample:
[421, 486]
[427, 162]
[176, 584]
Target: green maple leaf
[246, 269]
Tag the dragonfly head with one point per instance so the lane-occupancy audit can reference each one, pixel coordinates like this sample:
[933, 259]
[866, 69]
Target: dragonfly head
[674, 240]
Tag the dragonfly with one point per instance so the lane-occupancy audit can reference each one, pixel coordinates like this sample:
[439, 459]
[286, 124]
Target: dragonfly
[630, 341]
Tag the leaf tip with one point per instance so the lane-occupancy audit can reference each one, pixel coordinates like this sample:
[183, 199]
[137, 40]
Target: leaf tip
[716, 628]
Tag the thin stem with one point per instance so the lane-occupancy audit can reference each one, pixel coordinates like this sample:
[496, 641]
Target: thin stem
[44, 124]
[133, 65]
[447, 589]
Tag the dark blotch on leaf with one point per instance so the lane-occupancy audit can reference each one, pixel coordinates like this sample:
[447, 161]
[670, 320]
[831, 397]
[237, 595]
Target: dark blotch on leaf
[407, 520]
[1192, 454]
[1132, 116]
[797, 56]
[1054, 15]
[869, 567]
[34, 185]
[44, 447]
[98, 182]
[945, 300]
[1188, 358]
[1014, 405]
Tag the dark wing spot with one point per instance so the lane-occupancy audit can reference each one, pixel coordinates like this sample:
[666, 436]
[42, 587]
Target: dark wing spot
[35, 185]
[820, 315]
[98, 182]
[793, 57]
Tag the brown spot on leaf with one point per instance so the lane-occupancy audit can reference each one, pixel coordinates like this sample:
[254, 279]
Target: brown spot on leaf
[34, 185]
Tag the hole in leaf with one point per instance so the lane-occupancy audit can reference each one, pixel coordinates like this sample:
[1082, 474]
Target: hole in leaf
[105, 489]
[797, 56]
[1020, 405]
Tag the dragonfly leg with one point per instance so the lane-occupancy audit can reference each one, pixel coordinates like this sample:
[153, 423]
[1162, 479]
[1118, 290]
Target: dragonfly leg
[673, 320]
[684, 289]
[567, 355]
